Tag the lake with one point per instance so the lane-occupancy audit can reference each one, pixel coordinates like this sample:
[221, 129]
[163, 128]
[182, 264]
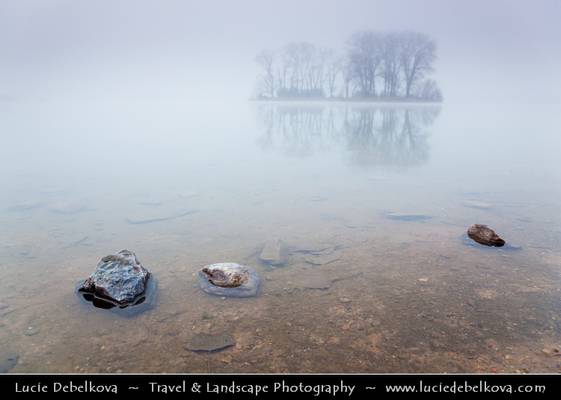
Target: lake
[370, 203]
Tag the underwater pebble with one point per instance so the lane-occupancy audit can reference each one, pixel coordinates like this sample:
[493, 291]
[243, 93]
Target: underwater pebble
[25, 206]
[315, 282]
[481, 205]
[208, 343]
[69, 208]
[31, 331]
[274, 253]
[143, 220]
[411, 217]
[8, 361]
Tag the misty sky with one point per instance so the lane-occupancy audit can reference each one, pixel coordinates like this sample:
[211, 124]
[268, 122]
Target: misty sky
[488, 50]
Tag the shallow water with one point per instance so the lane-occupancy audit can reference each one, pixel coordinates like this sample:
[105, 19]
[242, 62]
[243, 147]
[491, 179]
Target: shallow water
[186, 185]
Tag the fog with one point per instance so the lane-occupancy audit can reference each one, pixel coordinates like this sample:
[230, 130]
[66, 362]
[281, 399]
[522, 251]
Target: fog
[136, 125]
[499, 51]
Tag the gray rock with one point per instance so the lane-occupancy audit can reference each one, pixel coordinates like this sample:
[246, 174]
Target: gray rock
[119, 279]
[274, 253]
[8, 361]
[229, 280]
[203, 342]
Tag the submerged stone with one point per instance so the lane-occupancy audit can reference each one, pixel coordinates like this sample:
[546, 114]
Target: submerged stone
[31, 331]
[321, 259]
[274, 253]
[482, 234]
[68, 208]
[82, 241]
[118, 281]
[143, 220]
[315, 281]
[480, 205]
[7, 361]
[208, 343]
[5, 309]
[316, 250]
[411, 217]
[229, 280]
[25, 206]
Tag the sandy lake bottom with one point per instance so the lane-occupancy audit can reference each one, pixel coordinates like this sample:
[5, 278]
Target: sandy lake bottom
[360, 291]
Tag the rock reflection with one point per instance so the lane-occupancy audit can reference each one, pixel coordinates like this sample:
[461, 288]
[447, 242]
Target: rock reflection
[371, 135]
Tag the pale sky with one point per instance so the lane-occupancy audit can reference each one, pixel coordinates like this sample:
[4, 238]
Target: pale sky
[488, 50]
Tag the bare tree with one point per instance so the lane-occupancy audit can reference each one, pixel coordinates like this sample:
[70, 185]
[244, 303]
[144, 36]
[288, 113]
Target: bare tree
[364, 59]
[296, 57]
[333, 70]
[417, 54]
[430, 91]
[266, 60]
[390, 64]
[347, 78]
[303, 66]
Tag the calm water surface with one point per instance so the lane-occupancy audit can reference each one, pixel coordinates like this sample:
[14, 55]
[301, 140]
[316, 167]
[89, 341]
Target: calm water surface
[187, 184]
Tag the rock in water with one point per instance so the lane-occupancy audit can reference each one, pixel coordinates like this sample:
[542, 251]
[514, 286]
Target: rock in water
[7, 362]
[25, 206]
[68, 208]
[409, 217]
[321, 259]
[229, 279]
[119, 280]
[477, 204]
[208, 343]
[482, 234]
[274, 253]
[158, 217]
[315, 281]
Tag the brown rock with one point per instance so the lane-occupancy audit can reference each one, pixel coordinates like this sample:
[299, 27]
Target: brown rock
[482, 234]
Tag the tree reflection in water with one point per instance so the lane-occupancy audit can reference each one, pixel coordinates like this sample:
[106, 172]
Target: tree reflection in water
[372, 135]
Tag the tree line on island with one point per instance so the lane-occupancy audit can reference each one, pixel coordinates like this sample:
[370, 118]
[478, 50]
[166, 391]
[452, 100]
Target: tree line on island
[374, 66]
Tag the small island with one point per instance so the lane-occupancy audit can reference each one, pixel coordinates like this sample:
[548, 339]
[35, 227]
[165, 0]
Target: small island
[375, 66]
